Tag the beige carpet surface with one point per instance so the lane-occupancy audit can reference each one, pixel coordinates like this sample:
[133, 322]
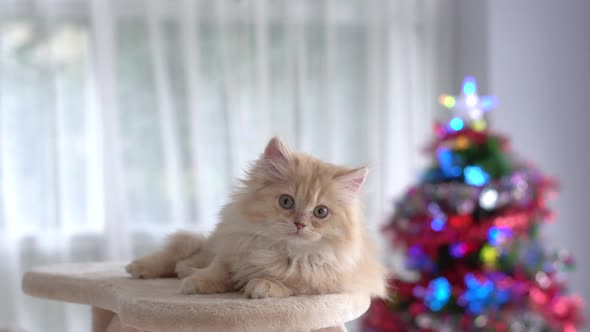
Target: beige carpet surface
[157, 305]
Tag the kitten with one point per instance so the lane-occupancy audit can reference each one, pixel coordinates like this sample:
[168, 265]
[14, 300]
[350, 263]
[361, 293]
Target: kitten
[294, 226]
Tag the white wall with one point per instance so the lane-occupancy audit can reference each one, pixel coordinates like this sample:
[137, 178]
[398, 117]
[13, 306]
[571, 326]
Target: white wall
[471, 42]
[538, 63]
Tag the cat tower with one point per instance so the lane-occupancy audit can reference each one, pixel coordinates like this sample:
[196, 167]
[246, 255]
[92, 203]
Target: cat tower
[122, 304]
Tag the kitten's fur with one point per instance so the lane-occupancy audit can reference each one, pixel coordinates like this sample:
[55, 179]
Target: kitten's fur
[257, 247]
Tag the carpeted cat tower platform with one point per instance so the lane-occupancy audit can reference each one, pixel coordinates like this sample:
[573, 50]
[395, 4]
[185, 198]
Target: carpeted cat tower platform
[122, 304]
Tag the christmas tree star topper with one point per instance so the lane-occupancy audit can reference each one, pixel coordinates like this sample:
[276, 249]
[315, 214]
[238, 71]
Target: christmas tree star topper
[468, 108]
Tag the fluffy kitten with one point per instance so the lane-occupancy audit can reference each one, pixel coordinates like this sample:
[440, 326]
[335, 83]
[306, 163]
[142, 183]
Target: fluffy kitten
[295, 226]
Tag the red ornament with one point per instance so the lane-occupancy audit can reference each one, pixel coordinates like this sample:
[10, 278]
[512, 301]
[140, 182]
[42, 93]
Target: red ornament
[461, 221]
[538, 297]
[501, 327]
[566, 311]
[417, 308]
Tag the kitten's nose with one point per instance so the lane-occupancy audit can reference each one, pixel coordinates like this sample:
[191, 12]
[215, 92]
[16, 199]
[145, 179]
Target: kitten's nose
[299, 225]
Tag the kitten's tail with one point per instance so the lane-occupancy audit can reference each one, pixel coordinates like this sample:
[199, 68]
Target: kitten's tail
[183, 244]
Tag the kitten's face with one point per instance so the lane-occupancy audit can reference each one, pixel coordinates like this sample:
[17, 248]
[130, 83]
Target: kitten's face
[296, 198]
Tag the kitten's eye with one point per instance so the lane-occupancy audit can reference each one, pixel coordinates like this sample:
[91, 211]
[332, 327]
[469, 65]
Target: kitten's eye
[286, 201]
[321, 211]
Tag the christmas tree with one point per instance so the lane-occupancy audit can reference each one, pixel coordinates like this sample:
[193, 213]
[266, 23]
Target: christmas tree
[469, 231]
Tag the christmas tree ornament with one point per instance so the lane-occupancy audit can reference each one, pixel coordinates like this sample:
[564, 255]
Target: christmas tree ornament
[498, 235]
[469, 231]
[438, 293]
[488, 199]
[468, 107]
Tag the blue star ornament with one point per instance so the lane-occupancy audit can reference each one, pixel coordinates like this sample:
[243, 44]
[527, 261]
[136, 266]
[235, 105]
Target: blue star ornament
[468, 108]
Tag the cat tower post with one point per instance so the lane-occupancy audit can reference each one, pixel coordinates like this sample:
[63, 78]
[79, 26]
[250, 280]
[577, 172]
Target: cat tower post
[122, 304]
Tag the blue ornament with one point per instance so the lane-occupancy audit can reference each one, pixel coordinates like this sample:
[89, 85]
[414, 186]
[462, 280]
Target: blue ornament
[438, 293]
[449, 163]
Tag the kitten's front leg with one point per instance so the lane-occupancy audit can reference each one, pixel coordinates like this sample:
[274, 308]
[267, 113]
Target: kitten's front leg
[260, 288]
[214, 278]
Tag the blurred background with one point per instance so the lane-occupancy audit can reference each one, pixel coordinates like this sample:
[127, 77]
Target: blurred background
[121, 121]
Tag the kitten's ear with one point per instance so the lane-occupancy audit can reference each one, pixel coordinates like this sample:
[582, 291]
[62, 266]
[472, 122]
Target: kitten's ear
[352, 181]
[276, 158]
[277, 151]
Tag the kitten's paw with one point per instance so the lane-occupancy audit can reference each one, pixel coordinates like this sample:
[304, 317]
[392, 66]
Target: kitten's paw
[263, 288]
[183, 270]
[145, 268]
[197, 284]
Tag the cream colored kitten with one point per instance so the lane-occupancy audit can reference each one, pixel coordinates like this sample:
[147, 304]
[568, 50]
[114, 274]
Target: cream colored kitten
[295, 226]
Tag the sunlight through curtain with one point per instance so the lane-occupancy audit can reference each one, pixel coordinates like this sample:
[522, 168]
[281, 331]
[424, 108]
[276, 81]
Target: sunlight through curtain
[121, 121]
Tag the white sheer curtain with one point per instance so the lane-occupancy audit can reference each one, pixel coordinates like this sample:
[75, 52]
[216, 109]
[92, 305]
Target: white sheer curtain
[121, 121]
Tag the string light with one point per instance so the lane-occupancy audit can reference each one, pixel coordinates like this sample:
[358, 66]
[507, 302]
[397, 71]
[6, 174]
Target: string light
[456, 124]
[469, 86]
[477, 294]
[434, 209]
[488, 102]
[475, 176]
[458, 250]
[437, 224]
[489, 255]
[479, 125]
[488, 199]
[481, 294]
[498, 235]
[447, 101]
[439, 219]
[462, 143]
[438, 293]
